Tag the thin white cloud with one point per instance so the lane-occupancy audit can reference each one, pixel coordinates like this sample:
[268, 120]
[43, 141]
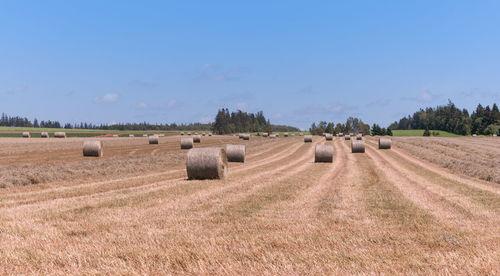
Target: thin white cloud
[108, 98]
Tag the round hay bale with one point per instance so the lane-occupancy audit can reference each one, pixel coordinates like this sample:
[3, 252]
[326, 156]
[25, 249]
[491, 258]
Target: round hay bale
[44, 135]
[328, 137]
[189, 133]
[60, 134]
[351, 134]
[285, 134]
[235, 153]
[301, 134]
[474, 135]
[245, 137]
[182, 133]
[358, 146]
[116, 135]
[265, 134]
[210, 134]
[131, 135]
[196, 138]
[272, 136]
[187, 143]
[341, 134]
[154, 140]
[203, 134]
[162, 135]
[277, 135]
[384, 143]
[206, 163]
[26, 135]
[308, 139]
[144, 135]
[323, 153]
[348, 137]
[494, 135]
[359, 137]
[93, 148]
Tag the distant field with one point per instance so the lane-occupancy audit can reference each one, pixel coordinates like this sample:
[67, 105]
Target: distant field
[420, 132]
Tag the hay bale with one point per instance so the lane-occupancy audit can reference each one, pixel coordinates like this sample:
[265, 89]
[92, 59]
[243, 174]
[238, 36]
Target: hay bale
[26, 135]
[358, 146]
[154, 140]
[203, 134]
[301, 134]
[245, 137]
[187, 143]
[277, 135]
[197, 138]
[272, 136]
[285, 134]
[235, 153]
[210, 134]
[384, 143]
[348, 137]
[116, 135]
[206, 163]
[308, 139]
[474, 135]
[60, 134]
[144, 135]
[265, 134]
[359, 137]
[341, 134]
[93, 148]
[351, 134]
[182, 133]
[44, 135]
[323, 153]
[161, 135]
[328, 137]
[131, 135]
[494, 135]
[189, 133]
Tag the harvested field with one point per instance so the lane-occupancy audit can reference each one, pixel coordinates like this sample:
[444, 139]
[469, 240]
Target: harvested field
[427, 206]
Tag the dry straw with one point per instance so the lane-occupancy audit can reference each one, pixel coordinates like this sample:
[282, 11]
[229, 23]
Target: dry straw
[236, 153]
[144, 135]
[115, 135]
[323, 153]
[187, 143]
[285, 134]
[245, 136]
[154, 139]
[206, 163]
[348, 137]
[328, 137]
[189, 133]
[308, 139]
[359, 137]
[44, 135]
[182, 133]
[26, 135]
[93, 148]
[60, 134]
[272, 136]
[203, 134]
[210, 134]
[301, 134]
[358, 146]
[131, 135]
[265, 134]
[197, 138]
[384, 143]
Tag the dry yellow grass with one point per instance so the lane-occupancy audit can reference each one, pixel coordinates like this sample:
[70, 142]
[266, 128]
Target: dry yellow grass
[278, 213]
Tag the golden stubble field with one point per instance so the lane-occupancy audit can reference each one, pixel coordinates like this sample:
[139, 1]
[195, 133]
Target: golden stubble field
[428, 205]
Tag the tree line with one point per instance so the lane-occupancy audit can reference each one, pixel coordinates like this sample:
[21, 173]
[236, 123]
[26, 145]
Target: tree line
[482, 121]
[239, 121]
[352, 124]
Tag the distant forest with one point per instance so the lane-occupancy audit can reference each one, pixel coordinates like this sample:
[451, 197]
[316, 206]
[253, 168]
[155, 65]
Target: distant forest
[483, 121]
[225, 123]
[239, 121]
[352, 125]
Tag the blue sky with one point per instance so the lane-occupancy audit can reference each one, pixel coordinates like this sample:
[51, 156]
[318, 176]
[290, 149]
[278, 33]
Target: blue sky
[298, 61]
